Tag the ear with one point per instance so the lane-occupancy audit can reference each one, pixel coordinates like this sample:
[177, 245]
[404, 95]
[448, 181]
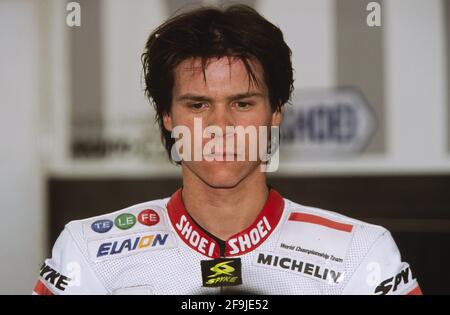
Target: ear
[277, 116]
[167, 121]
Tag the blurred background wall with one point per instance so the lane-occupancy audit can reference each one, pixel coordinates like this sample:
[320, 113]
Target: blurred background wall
[78, 137]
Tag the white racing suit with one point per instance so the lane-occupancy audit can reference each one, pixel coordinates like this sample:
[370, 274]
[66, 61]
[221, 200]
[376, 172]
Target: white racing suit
[157, 248]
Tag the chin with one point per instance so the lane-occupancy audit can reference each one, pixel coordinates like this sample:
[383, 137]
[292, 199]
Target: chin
[221, 183]
[221, 179]
[222, 175]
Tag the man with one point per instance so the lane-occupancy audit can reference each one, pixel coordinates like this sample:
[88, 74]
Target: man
[225, 229]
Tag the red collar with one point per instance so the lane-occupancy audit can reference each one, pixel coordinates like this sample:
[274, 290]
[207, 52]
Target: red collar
[238, 244]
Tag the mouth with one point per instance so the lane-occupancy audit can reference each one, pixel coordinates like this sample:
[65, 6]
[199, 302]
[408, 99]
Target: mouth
[225, 156]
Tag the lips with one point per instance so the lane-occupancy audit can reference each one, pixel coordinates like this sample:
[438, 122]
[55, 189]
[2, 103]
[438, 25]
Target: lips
[224, 153]
[223, 156]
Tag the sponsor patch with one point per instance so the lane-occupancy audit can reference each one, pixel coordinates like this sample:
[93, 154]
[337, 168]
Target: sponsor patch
[102, 226]
[298, 266]
[130, 244]
[148, 217]
[56, 279]
[396, 283]
[125, 221]
[221, 272]
[195, 239]
[246, 241]
[316, 239]
[136, 220]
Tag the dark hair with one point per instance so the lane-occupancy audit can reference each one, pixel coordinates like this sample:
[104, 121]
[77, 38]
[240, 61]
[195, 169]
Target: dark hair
[237, 31]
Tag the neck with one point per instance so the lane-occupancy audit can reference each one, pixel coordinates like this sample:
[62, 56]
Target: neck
[224, 212]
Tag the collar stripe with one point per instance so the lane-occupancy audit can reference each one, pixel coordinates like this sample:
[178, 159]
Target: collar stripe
[238, 244]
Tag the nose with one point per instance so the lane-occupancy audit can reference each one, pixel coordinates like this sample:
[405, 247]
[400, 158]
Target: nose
[221, 116]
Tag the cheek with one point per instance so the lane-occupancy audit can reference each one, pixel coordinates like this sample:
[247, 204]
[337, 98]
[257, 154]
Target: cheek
[261, 116]
[180, 118]
[255, 119]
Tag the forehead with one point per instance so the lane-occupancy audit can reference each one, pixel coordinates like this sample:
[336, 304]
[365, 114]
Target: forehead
[222, 75]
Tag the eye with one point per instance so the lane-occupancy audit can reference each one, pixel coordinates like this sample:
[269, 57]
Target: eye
[198, 106]
[243, 105]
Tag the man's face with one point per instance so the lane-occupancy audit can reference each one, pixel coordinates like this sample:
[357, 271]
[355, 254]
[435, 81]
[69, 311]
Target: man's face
[224, 99]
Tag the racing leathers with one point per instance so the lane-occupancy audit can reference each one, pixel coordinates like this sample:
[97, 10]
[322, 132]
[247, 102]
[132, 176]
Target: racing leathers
[157, 248]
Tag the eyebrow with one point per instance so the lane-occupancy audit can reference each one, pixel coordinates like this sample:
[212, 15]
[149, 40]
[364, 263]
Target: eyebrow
[201, 98]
